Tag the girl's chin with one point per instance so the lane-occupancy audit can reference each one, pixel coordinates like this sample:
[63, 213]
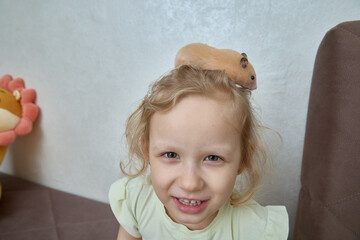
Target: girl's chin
[191, 221]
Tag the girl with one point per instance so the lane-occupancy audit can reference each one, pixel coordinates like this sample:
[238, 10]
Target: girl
[196, 131]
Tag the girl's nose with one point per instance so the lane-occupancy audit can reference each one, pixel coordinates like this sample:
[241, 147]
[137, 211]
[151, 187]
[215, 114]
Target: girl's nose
[190, 180]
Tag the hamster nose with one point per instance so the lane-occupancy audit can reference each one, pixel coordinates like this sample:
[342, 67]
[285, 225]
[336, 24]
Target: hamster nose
[253, 86]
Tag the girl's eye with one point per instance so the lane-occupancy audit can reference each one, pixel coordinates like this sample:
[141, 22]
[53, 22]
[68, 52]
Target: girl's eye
[212, 158]
[171, 155]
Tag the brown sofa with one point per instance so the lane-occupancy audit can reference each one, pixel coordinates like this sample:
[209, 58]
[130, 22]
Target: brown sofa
[329, 202]
[30, 211]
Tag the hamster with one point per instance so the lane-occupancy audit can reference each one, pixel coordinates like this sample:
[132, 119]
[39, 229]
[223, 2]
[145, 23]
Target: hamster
[236, 65]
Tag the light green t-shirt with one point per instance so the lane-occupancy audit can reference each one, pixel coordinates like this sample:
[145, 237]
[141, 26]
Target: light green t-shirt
[140, 212]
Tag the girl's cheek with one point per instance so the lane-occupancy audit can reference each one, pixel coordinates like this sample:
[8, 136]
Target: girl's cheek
[162, 169]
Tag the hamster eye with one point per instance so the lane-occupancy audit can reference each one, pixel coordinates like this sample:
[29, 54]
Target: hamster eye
[252, 77]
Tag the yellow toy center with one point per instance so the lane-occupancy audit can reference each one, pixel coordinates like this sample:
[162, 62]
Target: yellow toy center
[9, 102]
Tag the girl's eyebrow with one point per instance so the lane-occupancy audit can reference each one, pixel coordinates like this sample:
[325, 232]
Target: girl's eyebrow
[163, 145]
[223, 149]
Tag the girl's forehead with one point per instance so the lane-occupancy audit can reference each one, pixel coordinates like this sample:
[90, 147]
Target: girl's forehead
[199, 109]
[204, 103]
[195, 124]
[208, 101]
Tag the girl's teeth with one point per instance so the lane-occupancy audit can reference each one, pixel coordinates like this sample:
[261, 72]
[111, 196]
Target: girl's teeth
[189, 202]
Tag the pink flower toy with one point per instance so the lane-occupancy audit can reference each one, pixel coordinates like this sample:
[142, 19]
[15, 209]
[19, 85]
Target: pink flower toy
[17, 111]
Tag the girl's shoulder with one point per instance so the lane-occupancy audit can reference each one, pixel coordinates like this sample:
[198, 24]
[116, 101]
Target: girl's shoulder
[127, 188]
[259, 222]
[131, 199]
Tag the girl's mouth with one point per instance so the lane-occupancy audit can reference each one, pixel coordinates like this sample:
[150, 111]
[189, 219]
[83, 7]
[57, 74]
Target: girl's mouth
[189, 202]
[190, 206]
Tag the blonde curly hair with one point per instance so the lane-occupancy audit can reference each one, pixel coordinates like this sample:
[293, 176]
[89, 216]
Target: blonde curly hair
[185, 81]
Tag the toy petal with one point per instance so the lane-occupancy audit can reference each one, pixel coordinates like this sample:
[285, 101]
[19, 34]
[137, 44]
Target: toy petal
[16, 84]
[30, 111]
[4, 81]
[28, 96]
[24, 127]
[7, 137]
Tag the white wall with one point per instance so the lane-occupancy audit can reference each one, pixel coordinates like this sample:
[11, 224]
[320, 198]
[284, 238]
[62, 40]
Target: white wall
[92, 61]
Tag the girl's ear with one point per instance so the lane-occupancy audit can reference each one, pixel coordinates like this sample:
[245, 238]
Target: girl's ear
[248, 157]
[241, 168]
[145, 148]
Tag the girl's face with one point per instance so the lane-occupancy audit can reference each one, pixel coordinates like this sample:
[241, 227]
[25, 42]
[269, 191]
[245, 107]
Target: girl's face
[194, 153]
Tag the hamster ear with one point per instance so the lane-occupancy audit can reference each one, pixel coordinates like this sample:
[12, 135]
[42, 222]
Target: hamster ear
[244, 62]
